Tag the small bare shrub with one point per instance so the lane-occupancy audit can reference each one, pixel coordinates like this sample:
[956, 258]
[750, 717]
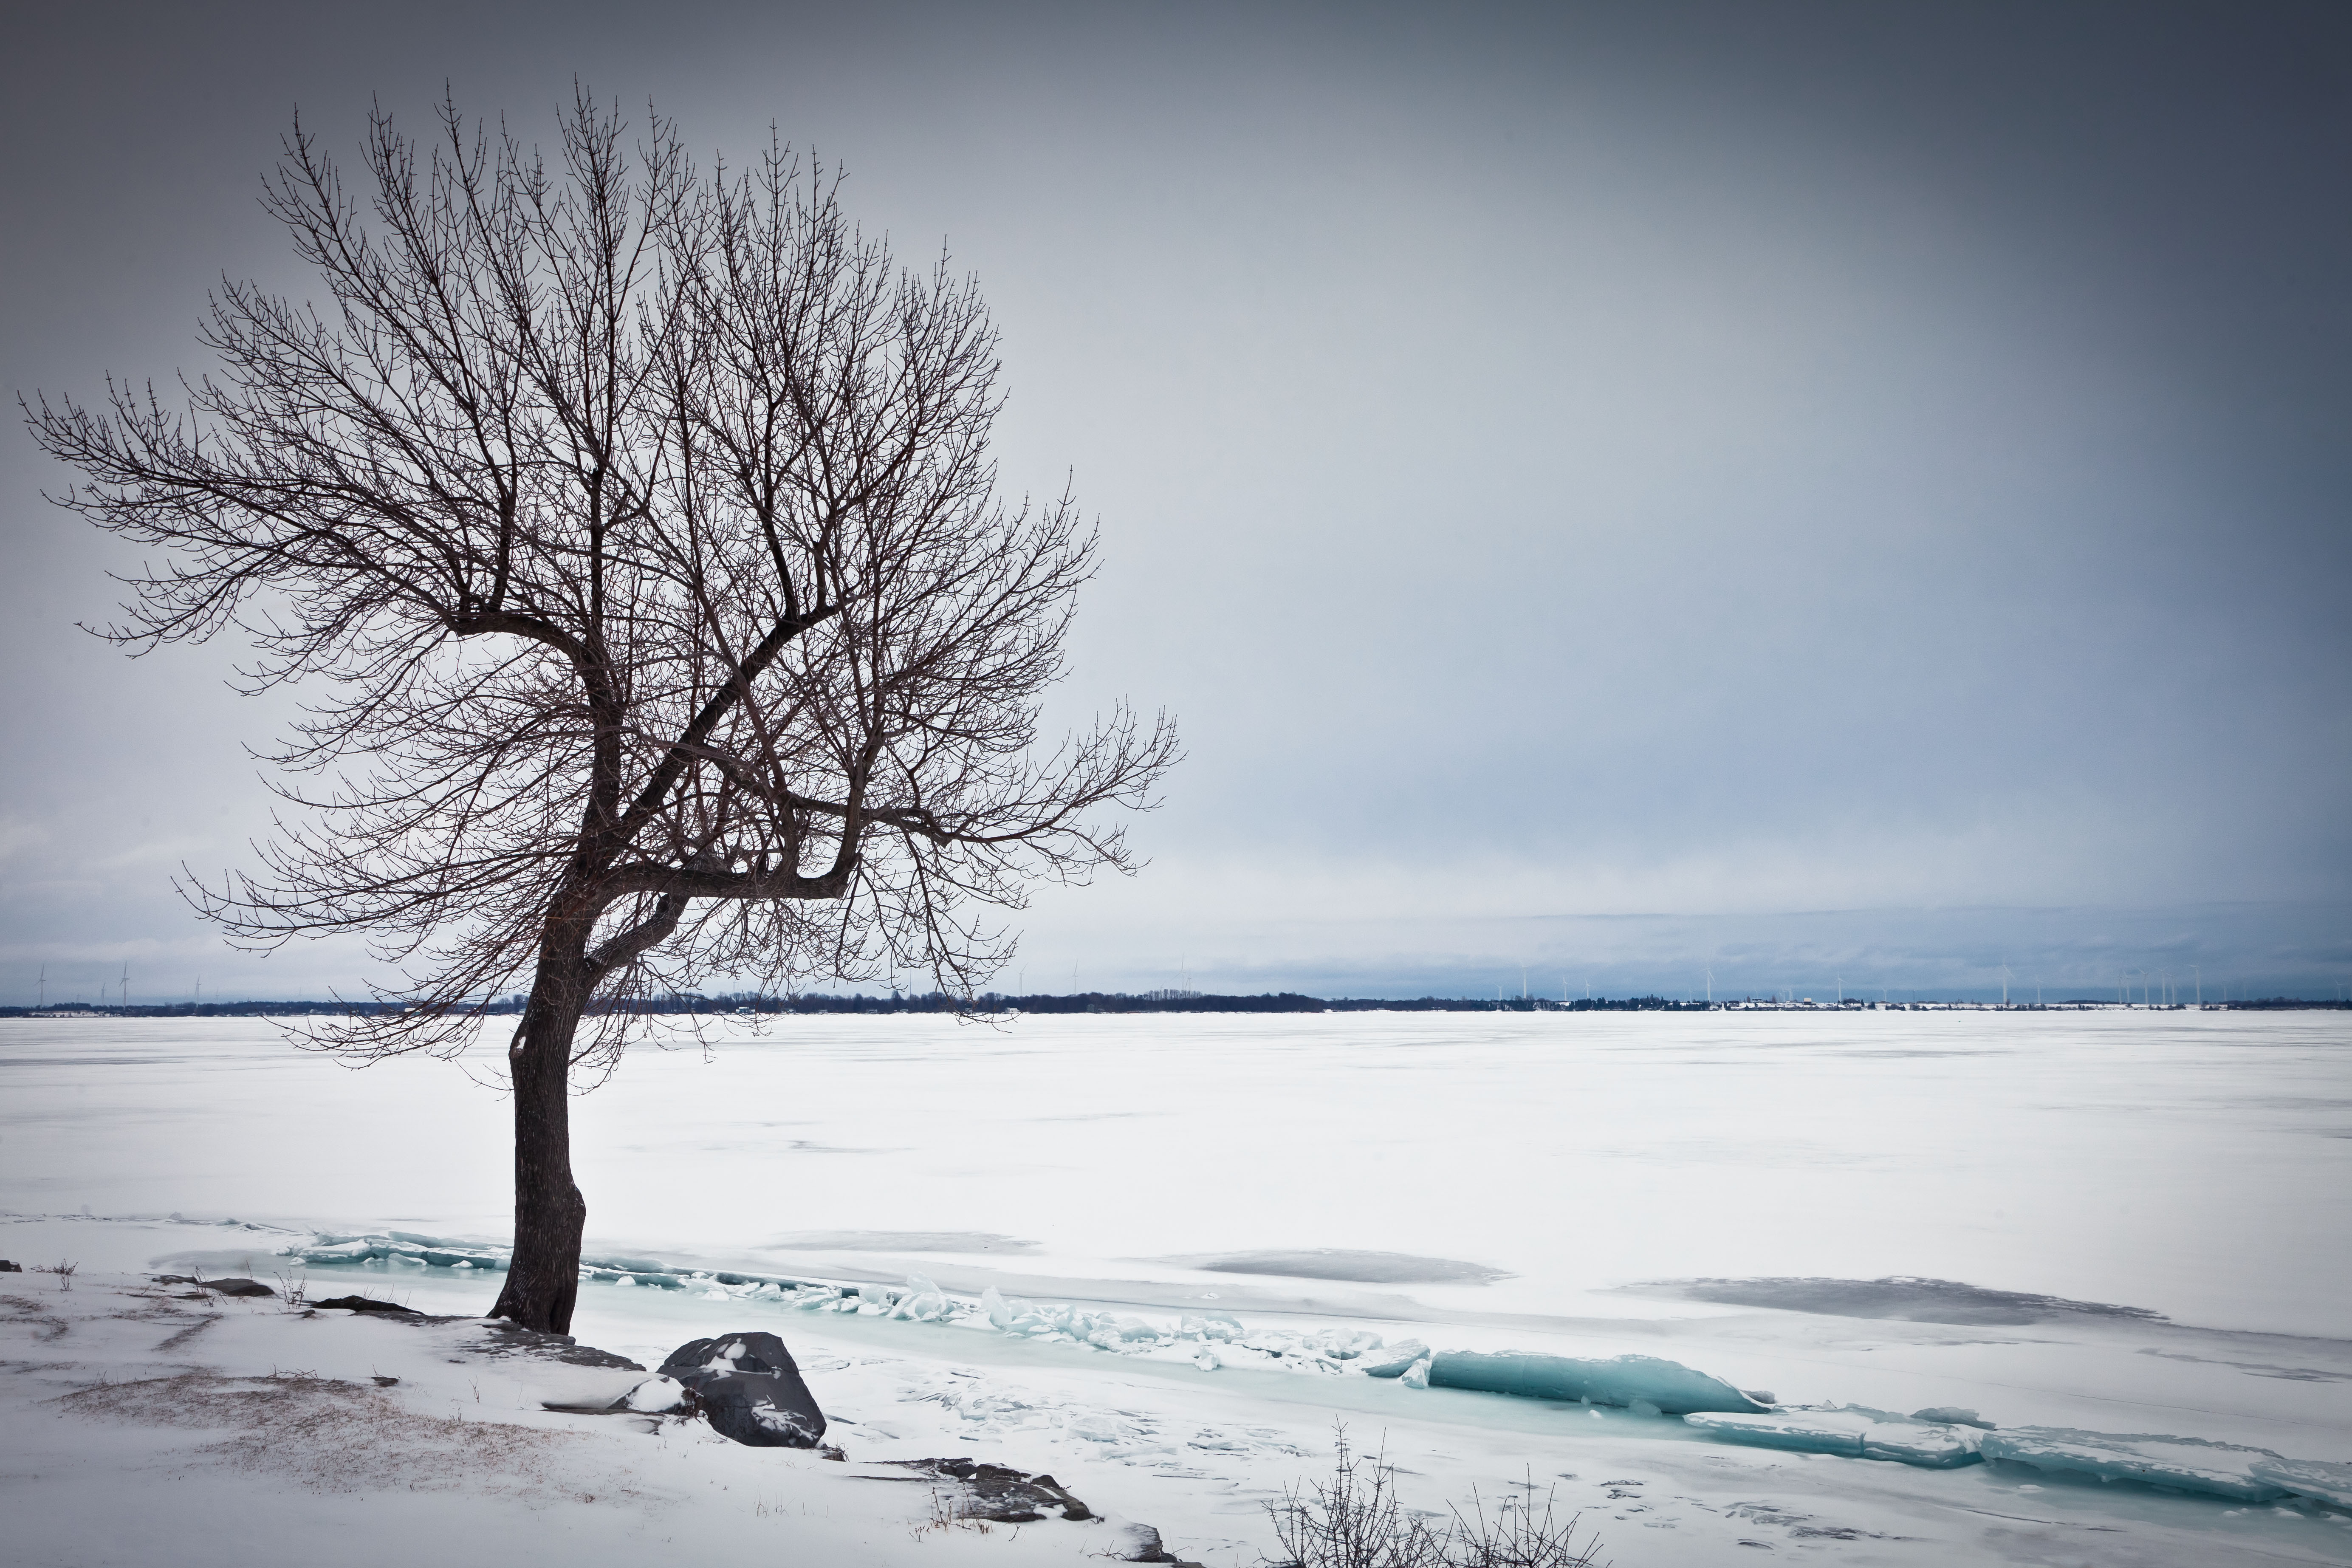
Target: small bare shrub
[64, 1271]
[1354, 1520]
[1357, 1520]
[294, 1289]
[1517, 1537]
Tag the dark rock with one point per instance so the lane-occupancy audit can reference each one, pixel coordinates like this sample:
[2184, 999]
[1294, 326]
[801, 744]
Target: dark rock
[1001, 1495]
[384, 1380]
[8, 1267]
[750, 1389]
[363, 1304]
[238, 1287]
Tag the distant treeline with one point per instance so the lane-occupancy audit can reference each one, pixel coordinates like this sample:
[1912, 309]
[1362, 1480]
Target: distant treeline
[1081, 1002]
[929, 1002]
[1173, 1002]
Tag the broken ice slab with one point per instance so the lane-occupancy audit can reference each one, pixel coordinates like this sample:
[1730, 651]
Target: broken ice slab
[1854, 1430]
[1392, 1361]
[1667, 1387]
[2314, 1478]
[398, 1249]
[2183, 1463]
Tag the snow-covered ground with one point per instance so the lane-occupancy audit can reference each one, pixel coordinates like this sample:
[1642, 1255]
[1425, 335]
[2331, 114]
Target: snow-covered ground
[1498, 1181]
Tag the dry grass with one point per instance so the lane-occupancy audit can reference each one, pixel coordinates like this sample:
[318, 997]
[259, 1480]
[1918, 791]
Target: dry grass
[337, 1436]
[24, 1309]
[952, 1508]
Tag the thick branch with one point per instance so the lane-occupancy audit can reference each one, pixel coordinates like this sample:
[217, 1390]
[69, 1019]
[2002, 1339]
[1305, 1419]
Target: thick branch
[778, 882]
[673, 764]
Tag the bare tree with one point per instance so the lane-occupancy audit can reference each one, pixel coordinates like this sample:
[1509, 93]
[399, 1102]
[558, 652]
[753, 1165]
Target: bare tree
[636, 532]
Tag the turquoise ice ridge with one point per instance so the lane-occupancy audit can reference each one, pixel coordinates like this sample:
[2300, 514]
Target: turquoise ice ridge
[1855, 1431]
[2195, 1465]
[405, 1249]
[1632, 1382]
[398, 1249]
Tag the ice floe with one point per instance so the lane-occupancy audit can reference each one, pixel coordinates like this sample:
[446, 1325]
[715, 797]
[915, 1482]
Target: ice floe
[2184, 1464]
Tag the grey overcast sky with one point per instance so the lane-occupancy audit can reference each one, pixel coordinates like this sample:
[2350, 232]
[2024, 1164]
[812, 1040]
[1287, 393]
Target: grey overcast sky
[1811, 493]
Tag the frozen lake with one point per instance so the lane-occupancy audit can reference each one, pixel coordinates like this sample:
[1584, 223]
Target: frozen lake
[2193, 1163]
[1517, 1180]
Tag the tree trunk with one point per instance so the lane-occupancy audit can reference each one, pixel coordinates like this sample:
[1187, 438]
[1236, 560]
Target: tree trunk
[543, 1276]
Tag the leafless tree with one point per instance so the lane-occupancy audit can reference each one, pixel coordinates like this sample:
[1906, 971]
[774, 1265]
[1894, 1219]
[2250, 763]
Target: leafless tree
[634, 534]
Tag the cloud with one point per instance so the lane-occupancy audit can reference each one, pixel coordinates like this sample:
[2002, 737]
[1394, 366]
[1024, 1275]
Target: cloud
[1560, 464]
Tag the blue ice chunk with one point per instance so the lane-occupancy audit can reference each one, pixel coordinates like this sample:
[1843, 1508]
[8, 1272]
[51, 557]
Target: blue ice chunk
[1392, 1361]
[1855, 1431]
[2314, 1478]
[1668, 1386]
[338, 1252]
[2184, 1464]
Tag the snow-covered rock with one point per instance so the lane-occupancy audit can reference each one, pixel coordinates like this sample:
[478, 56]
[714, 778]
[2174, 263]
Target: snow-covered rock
[750, 1389]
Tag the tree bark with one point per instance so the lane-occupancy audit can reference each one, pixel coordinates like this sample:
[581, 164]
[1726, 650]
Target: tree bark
[549, 1215]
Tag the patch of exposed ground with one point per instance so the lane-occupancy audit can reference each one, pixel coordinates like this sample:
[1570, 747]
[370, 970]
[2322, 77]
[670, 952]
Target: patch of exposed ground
[336, 1437]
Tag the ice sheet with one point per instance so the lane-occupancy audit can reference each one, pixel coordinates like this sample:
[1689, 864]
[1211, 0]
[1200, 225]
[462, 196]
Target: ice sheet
[1721, 1146]
[1855, 1432]
[2184, 1464]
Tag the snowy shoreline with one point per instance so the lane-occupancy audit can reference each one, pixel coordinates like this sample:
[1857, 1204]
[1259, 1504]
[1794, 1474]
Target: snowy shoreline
[1209, 1450]
[2142, 1214]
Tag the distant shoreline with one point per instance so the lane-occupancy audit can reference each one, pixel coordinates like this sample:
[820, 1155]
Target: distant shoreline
[1179, 1002]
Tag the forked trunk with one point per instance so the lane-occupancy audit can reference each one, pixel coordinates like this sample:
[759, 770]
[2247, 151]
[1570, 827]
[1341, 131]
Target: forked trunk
[543, 1276]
